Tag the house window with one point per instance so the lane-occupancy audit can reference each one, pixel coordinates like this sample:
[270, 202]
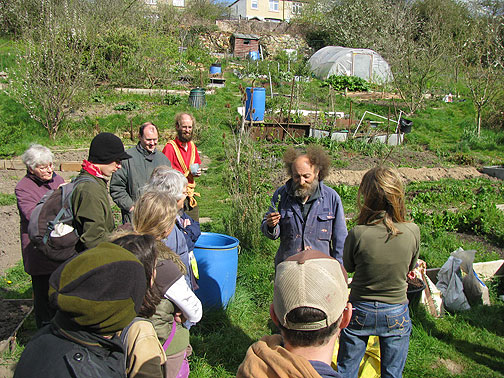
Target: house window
[296, 8]
[178, 3]
[246, 41]
[253, 4]
[273, 5]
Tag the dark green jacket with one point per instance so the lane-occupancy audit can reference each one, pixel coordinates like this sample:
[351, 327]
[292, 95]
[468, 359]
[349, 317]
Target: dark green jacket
[380, 264]
[92, 212]
[126, 183]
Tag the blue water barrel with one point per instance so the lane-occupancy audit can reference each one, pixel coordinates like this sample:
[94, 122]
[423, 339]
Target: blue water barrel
[215, 69]
[258, 100]
[217, 258]
[197, 97]
[254, 55]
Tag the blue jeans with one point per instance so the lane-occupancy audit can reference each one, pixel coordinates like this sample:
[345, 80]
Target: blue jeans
[390, 322]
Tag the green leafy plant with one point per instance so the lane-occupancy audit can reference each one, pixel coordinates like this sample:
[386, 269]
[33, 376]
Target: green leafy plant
[128, 107]
[352, 83]
[172, 99]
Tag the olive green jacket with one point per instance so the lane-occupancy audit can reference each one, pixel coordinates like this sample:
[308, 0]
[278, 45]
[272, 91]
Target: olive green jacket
[381, 263]
[92, 212]
[163, 322]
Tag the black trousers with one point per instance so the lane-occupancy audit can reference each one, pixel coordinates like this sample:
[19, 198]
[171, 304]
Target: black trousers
[43, 311]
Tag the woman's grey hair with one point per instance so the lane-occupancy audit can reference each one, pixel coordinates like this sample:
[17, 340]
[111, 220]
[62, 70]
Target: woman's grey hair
[37, 154]
[167, 179]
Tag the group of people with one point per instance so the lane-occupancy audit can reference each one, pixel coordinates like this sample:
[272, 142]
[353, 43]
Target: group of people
[124, 305]
[311, 306]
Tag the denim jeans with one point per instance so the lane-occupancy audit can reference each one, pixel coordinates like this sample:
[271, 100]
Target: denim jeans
[390, 322]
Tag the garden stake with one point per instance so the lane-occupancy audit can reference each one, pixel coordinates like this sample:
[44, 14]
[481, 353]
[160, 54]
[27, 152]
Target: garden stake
[271, 84]
[290, 103]
[285, 130]
[388, 124]
[350, 119]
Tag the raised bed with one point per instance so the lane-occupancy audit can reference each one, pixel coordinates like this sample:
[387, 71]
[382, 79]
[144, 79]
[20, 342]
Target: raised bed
[280, 131]
[494, 171]
[13, 313]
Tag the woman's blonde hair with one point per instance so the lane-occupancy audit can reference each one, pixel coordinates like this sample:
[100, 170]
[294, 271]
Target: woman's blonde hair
[381, 199]
[165, 253]
[154, 213]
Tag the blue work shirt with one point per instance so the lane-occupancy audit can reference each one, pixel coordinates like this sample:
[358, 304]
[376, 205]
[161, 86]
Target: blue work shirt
[324, 228]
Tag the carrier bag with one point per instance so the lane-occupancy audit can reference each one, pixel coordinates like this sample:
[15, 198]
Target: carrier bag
[451, 286]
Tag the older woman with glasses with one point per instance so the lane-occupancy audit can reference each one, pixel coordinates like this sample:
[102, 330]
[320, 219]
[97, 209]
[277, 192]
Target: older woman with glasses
[39, 178]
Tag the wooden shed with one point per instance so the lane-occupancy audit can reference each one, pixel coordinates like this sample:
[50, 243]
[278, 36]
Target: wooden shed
[244, 43]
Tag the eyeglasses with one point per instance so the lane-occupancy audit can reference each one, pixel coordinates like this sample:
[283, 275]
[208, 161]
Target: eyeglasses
[45, 168]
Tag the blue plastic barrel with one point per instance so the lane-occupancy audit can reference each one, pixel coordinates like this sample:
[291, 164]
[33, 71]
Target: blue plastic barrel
[254, 55]
[217, 258]
[258, 100]
[215, 69]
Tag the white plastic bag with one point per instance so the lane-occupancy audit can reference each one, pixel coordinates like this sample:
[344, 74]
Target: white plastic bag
[475, 290]
[451, 287]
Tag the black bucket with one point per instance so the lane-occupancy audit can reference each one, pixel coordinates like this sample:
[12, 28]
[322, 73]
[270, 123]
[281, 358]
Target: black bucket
[405, 125]
[414, 293]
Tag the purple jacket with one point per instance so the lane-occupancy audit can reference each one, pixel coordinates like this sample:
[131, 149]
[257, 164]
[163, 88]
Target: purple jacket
[29, 191]
[324, 229]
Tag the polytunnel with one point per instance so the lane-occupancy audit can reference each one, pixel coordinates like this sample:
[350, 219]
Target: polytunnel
[337, 60]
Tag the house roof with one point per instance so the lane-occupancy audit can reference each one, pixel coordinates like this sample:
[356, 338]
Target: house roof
[245, 36]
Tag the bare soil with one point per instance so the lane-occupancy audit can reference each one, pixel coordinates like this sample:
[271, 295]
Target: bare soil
[12, 312]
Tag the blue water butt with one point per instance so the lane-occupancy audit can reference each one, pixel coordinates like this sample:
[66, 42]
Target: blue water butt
[258, 100]
[254, 55]
[217, 258]
[215, 68]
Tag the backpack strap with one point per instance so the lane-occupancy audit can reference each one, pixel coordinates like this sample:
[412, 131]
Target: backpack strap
[172, 335]
[68, 197]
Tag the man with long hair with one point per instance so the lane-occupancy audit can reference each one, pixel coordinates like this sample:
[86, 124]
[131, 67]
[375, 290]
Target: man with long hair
[183, 154]
[304, 213]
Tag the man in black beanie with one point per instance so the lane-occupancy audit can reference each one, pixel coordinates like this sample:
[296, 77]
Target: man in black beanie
[96, 293]
[90, 203]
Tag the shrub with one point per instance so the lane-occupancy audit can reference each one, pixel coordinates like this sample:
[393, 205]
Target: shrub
[352, 83]
[129, 106]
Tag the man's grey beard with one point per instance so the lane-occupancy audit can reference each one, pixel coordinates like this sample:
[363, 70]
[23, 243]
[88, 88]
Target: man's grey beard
[303, 192]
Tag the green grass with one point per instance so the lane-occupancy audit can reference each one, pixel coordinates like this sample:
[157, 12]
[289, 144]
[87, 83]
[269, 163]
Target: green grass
[7, 199]
[471, 344]
[15, 283]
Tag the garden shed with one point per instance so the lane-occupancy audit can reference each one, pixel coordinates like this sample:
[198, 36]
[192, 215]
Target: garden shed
[337, 60]
[244, 43]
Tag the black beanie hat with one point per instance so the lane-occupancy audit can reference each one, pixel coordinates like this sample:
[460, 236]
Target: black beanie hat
[106, 148]
[100, 290]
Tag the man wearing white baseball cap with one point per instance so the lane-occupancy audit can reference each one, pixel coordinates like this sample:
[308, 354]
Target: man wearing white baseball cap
[310, 307]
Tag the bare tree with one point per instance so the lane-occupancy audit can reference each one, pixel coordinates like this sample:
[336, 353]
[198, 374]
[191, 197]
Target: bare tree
[482, 62]
[414, 48]
[52, 72]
